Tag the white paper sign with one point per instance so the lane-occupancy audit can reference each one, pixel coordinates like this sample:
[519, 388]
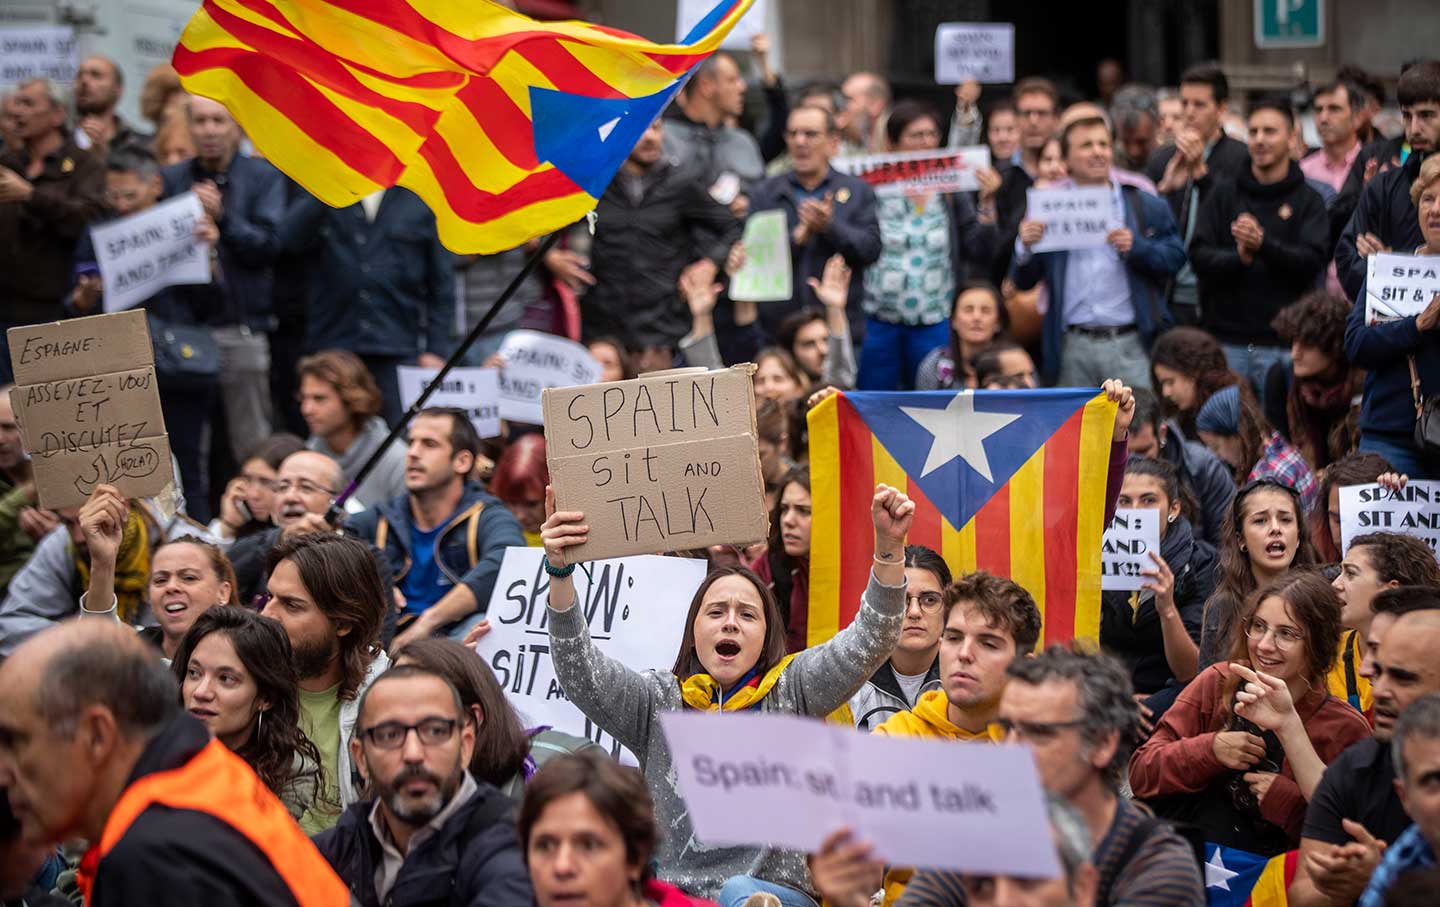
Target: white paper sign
[37, 52]
[535, 361]
[1412, 510]
[970, 50]
[786, 781]
[147, 252]
[475, 390]
[766, 275]
[688, 14]
[943, 170]
[1074, 217]
[631, 606]
[1399, 286]
[1125, 549]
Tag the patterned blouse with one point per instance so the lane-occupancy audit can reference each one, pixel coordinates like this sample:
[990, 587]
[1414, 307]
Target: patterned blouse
[913, 283]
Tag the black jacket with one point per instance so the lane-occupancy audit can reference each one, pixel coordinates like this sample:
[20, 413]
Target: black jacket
[641, 246]
[1207, 478]
[474, 860]
[1226, 161]
[1134, 635]
[1384, 209]
[1238, 301]
[179, 856]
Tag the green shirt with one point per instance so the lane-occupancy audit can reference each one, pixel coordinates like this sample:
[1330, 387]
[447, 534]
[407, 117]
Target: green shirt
[320, 720]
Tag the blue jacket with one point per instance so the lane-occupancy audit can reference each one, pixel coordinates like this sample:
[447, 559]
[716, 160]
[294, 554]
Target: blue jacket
[468, 550]
[1384, 209]
[253, 194]
[854, 233]
[1383, 350]
[1155, 256]
[380, 289]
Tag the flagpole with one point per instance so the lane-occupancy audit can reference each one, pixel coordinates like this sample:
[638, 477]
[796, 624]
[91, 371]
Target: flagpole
[337, 508]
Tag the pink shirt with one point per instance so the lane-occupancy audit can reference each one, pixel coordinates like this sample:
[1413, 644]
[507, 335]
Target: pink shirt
[1317, 167]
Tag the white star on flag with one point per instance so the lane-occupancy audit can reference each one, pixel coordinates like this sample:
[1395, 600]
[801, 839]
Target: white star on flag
[959, 431]
[1216, 875]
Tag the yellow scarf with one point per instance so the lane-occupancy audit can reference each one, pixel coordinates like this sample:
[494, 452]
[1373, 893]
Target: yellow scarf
[132, 568]
[701, 692]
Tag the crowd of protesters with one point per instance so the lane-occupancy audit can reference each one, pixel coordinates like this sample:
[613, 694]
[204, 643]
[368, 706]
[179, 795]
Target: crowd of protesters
[245, 678]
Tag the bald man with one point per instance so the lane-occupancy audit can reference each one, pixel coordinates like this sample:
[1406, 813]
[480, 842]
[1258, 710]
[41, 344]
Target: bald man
[99, 84]
[94, 746]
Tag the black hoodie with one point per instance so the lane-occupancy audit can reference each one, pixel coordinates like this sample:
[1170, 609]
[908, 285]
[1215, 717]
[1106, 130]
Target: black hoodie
[1239, 301]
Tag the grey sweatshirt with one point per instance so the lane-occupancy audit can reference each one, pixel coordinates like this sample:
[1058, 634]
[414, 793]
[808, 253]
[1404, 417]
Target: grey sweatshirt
[625, 703]
[388, 478]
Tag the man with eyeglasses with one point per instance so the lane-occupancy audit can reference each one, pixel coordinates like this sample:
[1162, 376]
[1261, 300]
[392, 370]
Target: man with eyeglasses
[914, 666]
[1355, 810]
[430, 833]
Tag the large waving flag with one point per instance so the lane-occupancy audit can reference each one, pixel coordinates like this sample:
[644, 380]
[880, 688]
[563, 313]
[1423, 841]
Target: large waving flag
[1007, 481]
[507, 127]
[1238, 878]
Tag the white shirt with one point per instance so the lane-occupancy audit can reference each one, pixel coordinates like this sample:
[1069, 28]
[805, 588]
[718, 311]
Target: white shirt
[910, 684]
[371, 204]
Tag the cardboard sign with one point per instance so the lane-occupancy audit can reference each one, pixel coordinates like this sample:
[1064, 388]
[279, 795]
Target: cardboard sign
[786, 781]
[1125, 549]
[1412, 510]
[475, 390]
[88, 407]
[535, 361]
[1074, 218]
[660, 463]
[968, 50]
[689, 13]
[37, 52]
[766, 275]
[144, 253]
[1399, 286]
[906, 172]
[622, 601]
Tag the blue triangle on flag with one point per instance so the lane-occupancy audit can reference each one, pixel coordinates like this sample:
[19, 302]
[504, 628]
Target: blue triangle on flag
[983, 439]
[1230, 875]
[587, 139]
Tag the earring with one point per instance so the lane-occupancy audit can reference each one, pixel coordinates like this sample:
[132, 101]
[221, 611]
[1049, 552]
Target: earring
[1243, 549]
[1172, 518]
[259, 721]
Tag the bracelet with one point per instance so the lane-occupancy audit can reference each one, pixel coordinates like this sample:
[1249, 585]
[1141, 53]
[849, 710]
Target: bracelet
[889, 563]
[559, 572]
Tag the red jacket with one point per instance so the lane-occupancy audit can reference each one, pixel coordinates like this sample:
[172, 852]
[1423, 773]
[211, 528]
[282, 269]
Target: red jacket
[669, 896]
[1179, 758]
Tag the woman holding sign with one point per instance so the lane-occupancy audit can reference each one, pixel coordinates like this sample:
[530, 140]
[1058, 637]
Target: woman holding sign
[732, 658]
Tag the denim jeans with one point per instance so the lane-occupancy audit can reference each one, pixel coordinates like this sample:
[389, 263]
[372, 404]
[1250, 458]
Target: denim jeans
[891, 353]
[1401, 453]
[737, 888]
[1253, 362]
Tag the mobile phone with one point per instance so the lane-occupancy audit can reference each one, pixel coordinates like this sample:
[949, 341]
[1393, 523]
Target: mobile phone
[244, 510]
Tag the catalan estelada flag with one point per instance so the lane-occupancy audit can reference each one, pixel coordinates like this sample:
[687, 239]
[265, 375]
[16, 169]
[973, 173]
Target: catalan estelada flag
[1238, 878]
[507, 127]
[1012, 482]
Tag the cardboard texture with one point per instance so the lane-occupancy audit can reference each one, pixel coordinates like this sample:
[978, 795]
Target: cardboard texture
[660, 463]
[88, 406]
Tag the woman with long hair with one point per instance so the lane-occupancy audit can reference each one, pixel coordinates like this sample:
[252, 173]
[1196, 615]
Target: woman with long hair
[1232, 426]
[1187, 365]
[237, 675]
[978, 320]
[1352, 469]
[1240, 752]
[785, 565]
[732, 657]
[506, 754]
[519, 481]
[1315, 400]
[1264, 535]
[779, 377]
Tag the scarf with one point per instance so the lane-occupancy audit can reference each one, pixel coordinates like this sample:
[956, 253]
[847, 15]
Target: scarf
[1323, 417]
[132, 567]
[703, 693]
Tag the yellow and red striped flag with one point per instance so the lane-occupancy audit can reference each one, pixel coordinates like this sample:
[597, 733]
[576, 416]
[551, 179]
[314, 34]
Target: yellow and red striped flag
[507, 127]
[1012, 482]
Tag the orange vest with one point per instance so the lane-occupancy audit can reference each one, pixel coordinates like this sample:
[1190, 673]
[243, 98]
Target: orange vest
[219, 783]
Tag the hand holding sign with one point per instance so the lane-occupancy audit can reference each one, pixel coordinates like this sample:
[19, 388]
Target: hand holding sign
[845, 870]
[562, 529]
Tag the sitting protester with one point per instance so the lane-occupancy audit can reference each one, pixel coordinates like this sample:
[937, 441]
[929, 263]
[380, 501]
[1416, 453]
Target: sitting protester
[1004, 365]
[1202, 475]
[1352, 469]
[1188, 366]
[785, 565]
[1242, 749]
[1416, 748]
[1231, 424]
[914, 667]
[977, 322]
[248, 503]
[1315, 400]
[237, 675]
[519, 482]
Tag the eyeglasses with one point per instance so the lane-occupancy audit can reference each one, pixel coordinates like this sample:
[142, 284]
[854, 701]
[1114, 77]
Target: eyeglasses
[390, 735]
[305, 486]
[1285, 638]
[1036, 730]
[930, 602]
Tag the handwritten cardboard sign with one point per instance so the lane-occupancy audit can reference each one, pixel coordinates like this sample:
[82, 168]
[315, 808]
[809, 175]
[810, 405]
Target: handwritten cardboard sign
[1412, 510]
[621, 602]
[535, 361]
[1399, 286]
[786, 781]
[984, 52]
[660, 463]
[766, 274]
[88, 407]
[905, 172]
[146, 252]
[37, 52]
[475, 390]
[1074, 217]
[1125, 549]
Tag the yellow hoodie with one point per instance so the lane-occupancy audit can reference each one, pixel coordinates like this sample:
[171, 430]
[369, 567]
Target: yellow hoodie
[930, 718]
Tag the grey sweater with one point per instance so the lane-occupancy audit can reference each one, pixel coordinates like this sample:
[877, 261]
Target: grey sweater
[386, 481]
[625, 703]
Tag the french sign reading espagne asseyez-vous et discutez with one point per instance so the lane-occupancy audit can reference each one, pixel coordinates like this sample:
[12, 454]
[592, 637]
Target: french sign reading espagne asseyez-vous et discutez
[89, 410]
[1412, 510]
[659, 463]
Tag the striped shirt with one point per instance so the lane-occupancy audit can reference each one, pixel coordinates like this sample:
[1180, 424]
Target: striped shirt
[1161, 872]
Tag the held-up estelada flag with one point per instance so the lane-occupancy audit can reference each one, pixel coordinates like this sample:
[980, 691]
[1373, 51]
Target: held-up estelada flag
[1007, 481]
[507, 127]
